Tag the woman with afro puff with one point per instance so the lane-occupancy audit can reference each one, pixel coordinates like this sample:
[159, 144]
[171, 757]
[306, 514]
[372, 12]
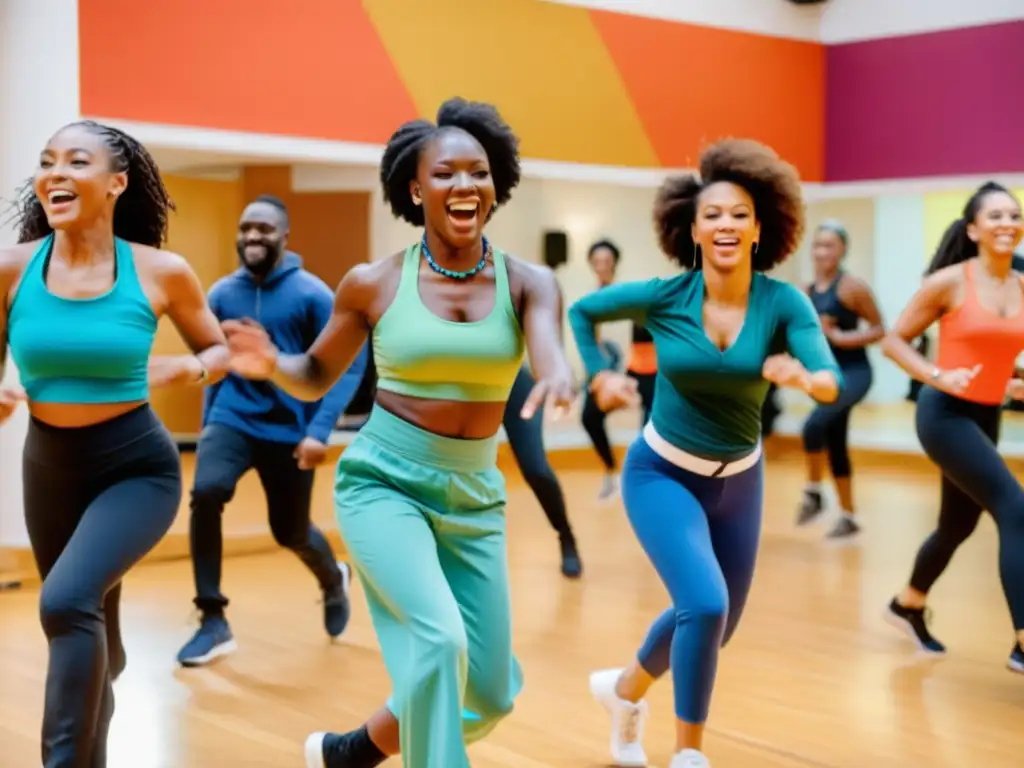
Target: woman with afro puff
[420, 501]
[693, 480]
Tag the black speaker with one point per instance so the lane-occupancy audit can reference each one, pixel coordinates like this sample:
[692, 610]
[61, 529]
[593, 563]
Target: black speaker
[556, 249]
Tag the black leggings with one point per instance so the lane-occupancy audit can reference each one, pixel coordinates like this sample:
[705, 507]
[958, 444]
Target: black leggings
[593, 418]
[961, 438]
[828, 426]
[526, 439]
[97, 499]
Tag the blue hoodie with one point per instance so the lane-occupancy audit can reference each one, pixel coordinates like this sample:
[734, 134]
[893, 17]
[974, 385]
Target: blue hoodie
[293, 306]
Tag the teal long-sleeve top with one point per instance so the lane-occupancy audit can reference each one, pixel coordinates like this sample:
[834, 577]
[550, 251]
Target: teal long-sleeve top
[707, 401]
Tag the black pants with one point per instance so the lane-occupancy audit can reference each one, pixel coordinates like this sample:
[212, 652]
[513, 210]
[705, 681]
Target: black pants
[644, 388]
[97, 499]
[526, 439]
[961, 438]
[222, 457]
[828, 426]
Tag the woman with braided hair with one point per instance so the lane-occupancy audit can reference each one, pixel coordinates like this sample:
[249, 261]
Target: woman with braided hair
[82, 293]
[419, 498]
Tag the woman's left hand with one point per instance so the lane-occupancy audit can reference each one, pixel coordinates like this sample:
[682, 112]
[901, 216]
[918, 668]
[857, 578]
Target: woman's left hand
[556, 393]
[786, 371]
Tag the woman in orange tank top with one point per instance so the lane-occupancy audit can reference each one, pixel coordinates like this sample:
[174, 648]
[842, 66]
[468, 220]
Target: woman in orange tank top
[977, 297]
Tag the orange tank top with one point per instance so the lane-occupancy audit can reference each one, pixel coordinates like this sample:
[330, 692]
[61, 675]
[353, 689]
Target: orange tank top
[972, 335]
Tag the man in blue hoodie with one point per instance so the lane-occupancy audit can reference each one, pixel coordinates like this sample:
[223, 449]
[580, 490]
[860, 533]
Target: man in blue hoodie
[254, 425]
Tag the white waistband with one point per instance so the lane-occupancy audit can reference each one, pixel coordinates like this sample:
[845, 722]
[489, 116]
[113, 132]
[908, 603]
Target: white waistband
[695, 464]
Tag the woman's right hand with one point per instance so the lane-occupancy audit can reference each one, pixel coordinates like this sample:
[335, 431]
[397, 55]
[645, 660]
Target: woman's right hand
[9, 399]
[253, 354]
[956, 381]
[612, 390]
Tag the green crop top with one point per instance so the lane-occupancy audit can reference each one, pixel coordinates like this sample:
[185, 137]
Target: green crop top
[91, 350]
[707, 401]
[420, 354]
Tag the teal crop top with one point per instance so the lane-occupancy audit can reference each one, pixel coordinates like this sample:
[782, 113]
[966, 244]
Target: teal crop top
[91, 350]
[419, 354]
[707, 401]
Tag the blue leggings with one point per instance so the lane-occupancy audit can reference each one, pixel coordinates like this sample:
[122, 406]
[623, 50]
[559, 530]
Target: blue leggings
[701, 534]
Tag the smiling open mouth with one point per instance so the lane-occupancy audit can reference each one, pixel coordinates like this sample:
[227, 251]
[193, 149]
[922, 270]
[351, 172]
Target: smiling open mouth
[61, 197]
[463, 213]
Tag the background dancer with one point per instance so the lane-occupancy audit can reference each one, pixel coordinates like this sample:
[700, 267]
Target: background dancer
[526, 439]
[978, 301]
[420, 500]
[693, 481]
[254, 425]
[842, 302]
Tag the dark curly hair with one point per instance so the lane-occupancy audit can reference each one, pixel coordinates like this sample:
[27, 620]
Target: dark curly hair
[608, 245]
[773, 184]
[142, 212]
[481, 121]
[955, 246]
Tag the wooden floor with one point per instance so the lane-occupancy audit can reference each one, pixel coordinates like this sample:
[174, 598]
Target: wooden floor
[813, 677]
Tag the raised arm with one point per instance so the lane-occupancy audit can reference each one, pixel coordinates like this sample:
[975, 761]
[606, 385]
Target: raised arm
[625, 301]
[188, 309]
[807, 343]
[542, 326]
[309, 376]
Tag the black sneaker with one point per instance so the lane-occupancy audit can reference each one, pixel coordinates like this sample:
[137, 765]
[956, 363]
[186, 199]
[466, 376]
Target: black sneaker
[913, 622]
[572, 568]
[845, 528]
[810, 508]
[342, 750]
[337, 608]
[1016, 661]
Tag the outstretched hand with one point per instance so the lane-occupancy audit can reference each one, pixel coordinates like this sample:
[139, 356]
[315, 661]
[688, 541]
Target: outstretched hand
[253, 354]
[555, 393]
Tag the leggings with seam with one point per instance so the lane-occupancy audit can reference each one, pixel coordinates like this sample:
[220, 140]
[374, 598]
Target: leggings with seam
[701, 534]
[961, 437]
[828, 426]
[97, 499]
[526, 439]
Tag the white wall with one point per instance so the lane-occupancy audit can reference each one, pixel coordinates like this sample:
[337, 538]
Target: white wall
[847, 20]
[779, 18]
[38, 94]
[832, 21]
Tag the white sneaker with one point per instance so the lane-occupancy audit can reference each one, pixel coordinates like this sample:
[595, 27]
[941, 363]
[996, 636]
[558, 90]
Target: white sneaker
[689, 758]
[628, 720]
[314, 750]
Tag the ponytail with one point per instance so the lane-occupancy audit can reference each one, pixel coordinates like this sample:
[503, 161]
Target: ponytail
[956, 247]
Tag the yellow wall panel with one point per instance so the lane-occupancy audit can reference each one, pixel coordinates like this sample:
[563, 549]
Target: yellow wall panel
[543, 65]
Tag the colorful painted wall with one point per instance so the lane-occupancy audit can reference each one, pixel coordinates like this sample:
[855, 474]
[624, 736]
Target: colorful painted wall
[946, 103]
[578, 84]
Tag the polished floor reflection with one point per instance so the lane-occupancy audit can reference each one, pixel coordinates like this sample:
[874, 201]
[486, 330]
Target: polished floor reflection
[814, 678]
